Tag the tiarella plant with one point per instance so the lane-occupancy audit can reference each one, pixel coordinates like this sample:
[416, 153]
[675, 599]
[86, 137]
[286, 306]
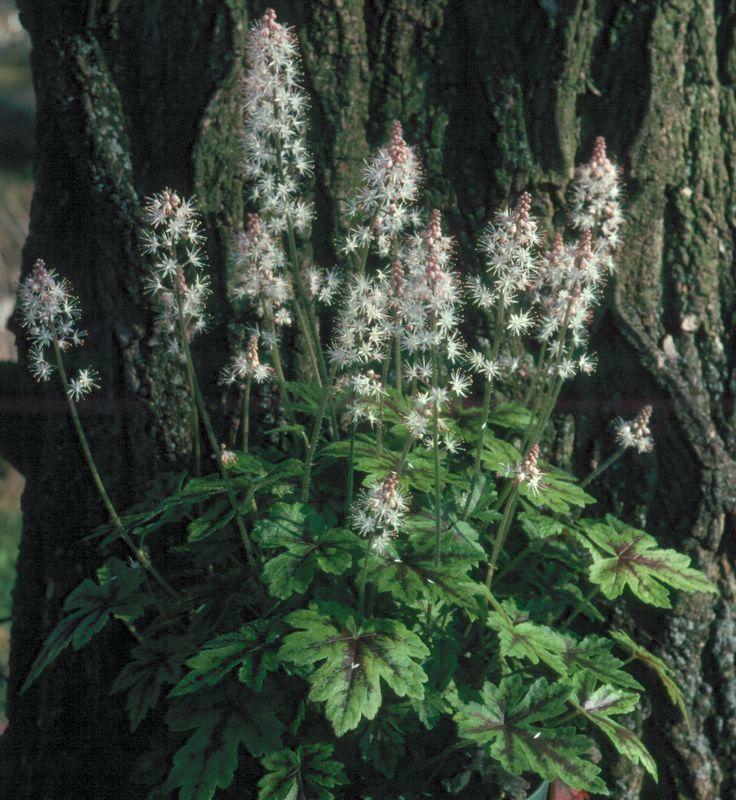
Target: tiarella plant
[391, 593]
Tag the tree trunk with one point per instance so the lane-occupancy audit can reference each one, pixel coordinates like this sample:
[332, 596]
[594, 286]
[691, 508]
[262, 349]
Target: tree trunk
[499, 97]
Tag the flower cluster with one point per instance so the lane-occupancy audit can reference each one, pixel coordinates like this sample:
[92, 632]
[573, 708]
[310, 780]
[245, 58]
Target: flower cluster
[173, 242]
[387, 196]
[596, 201]
[275, 108]
[527, 470]
[49, 311]
[364, 324]
[260, 274]
[247, 366]
[379, 512]
[430, 297]
[636, 433]
[509, 245]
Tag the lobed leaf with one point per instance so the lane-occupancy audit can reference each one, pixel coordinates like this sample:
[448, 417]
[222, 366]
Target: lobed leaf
[307, 773]
[223, 720]
[632, 558]
[88, 609]
[154, 663]
[513, 719]
[356, 658]
[598, 705]
[251, 650]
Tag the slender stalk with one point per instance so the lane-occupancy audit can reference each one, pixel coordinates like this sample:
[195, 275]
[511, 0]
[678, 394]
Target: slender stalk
[277, 366]
[314, 441]
[612, 459]
[436, 450]
[555, 384]
[196, 444]
[503, 529]
[364, 579]
[302, 295]
[397, 364]
[487, 395]
[351, 472]
[384, 381]
[246, 412]
[580, 607]
[139, 554]
[199, 400]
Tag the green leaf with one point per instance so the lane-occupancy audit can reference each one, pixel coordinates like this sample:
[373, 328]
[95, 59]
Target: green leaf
[222, 719]
[511, 415]
[154, 663]
[593, 653]
[559, 493]
[497, 454]
[307, 773]
[355, 658]
[539, 526]
[521, 638]
[664, 672]
[599, 705]
[383, 743]
[634, 560]
[88, 609]
[413, 574]
[251, 650]
[308, 547]
[513, 719]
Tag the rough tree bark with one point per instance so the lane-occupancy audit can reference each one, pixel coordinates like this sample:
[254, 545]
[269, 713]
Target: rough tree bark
[500, 97]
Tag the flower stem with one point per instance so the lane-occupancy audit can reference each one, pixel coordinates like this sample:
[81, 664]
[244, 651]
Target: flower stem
[612, 459]
[314, 441]
[436, 451]
[246, 412]
[364, 580]
[503, 529]
[487, 396]
[351, 472]
[580, 607]
[139, 554]
[277, 366]
[199, 400]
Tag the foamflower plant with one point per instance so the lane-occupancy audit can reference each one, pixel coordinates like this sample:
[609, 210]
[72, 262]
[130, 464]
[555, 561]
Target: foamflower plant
[394, 592]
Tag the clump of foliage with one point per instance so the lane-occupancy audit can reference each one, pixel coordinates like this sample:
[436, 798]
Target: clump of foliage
[388, 593]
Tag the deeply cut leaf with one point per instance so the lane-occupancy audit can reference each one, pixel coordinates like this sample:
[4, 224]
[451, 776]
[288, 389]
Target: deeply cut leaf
[308, 547]
[413, 574]
[222, 719]
[521, 638]
[355, 659]
[599, 705]
[88, 609]
[251, 650]
[634, 560]
[154, 663]
[307, 773]
[664, 672]
[513, 719]
[594, 654]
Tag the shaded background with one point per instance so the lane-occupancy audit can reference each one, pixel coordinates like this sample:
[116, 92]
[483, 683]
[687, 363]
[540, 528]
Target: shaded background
[17, 105]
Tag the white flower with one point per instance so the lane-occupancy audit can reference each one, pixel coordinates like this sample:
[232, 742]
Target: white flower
[380, 509]
[275, 109]
[83, 384]
[459, 383]
[527, 471]
[636, 433]
[248, 365]
[48, 311]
